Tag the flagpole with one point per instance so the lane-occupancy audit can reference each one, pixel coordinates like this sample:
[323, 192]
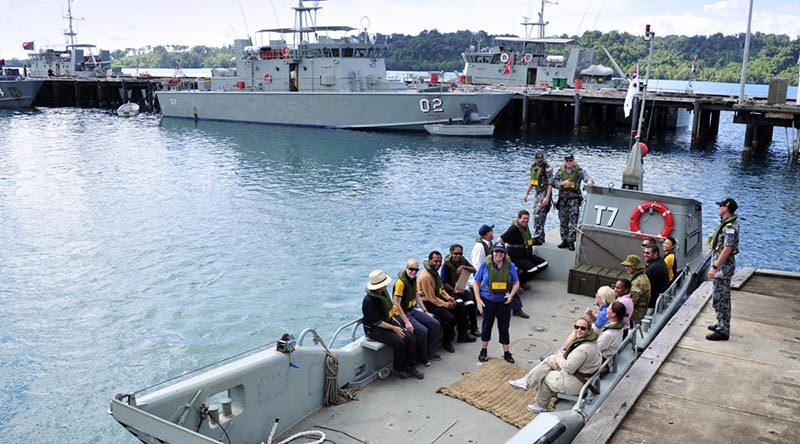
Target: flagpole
[648, 35]
[746, 55]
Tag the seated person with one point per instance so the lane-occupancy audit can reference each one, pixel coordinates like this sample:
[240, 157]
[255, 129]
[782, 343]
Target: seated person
[603, 298]
[519, 243]
[451, 315]
[567, 370]
[622, 288]
[611, 334]
[417, 321]
[379, 326]
[455, 265]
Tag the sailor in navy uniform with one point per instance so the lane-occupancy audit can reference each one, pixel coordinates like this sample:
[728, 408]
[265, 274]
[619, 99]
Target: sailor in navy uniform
[725, 247]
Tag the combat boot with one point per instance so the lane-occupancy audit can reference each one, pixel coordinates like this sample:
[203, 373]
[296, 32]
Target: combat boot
[717, 336]
[563, 244]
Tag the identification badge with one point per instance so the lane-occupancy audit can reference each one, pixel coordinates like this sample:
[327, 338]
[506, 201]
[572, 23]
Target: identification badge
[499, 285]
[535, 182]
[529, 242]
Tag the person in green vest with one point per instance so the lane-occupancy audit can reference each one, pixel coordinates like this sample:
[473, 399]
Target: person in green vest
[410, 310]
[542, 187]
[724, 248]
[567, 370]
[380, 326]
[568, 180]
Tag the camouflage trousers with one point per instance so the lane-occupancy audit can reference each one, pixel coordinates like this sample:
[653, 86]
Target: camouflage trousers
[568, 210]
[539, 214]
[721, 300]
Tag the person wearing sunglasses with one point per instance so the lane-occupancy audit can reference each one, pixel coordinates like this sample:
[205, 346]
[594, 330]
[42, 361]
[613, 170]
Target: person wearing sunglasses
[567, 370]
[454, 273]
[410, 310]
[568, 180]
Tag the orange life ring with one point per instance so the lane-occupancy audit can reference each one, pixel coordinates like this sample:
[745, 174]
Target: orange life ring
[268, 78]
[663, 210]
[285, 52]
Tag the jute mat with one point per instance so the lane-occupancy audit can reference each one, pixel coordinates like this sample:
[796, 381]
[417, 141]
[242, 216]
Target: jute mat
[487, 388]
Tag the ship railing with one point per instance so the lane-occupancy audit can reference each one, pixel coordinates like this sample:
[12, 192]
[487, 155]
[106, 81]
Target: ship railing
[609, 370]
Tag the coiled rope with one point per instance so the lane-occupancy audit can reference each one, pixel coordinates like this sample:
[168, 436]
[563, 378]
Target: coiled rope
[334, 395]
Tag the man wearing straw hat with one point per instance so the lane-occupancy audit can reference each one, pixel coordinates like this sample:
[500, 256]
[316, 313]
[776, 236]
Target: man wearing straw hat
[379, 326]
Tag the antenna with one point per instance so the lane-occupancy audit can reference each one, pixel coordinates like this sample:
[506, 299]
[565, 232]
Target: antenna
[541, 23]
[70, 34]
[243, 18]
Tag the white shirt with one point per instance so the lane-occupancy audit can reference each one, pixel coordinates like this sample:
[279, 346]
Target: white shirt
[477, 257]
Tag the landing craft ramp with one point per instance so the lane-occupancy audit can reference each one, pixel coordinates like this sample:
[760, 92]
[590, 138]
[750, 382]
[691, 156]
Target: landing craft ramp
[745, 390]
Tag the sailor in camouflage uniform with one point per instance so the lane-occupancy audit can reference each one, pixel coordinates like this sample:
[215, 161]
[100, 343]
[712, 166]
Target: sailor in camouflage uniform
[724, 246]
[541, 178]
[568, 180]
[640, 287]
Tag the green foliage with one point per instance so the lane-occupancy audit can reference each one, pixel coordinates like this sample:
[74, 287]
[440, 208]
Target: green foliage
[719, 57]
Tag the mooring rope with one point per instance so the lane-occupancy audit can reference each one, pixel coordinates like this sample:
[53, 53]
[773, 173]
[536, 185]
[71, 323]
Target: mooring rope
[334, 395]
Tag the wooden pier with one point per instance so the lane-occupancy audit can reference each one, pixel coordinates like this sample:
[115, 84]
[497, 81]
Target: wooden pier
[103, 93]
[601, 110]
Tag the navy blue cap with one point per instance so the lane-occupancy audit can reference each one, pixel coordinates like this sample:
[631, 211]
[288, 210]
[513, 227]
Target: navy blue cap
[485, 229]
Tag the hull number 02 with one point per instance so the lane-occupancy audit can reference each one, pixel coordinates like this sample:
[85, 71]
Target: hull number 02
[432, 105]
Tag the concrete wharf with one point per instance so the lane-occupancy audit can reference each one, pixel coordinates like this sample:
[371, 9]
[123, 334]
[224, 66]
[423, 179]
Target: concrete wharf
[684, 388]
[598, 110]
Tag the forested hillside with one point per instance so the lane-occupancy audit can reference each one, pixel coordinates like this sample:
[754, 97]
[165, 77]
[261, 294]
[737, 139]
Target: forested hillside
[718, 56]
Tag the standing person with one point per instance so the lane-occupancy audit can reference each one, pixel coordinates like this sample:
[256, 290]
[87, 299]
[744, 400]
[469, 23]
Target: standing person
[657, 274]
[519, 244]
[640, 287]
[497, 283]
[724, 247]
[669, 257]
[417, 321]
[568, 181]
[541, 178]
[455, 266]
[451, 314]
[379, 326]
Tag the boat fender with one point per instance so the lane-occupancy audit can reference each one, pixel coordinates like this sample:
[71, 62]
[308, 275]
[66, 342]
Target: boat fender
[504, 57]
[285, 52]
[663, 210]
[527, 58]
[268, 78]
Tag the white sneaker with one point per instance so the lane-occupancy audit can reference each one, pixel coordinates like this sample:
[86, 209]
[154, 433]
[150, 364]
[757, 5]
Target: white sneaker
[536, 408]
[519, 383]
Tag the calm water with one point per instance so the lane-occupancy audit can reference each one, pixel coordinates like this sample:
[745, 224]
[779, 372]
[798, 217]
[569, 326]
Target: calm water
[133, 250]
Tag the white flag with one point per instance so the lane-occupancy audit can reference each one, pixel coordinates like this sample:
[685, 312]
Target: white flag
[633, 88]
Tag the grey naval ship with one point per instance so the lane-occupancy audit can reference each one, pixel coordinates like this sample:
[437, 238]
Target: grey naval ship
[15, 91]
[321, 81]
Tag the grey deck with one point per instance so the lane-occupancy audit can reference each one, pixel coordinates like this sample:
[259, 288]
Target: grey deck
[394, 410]
[743, 390]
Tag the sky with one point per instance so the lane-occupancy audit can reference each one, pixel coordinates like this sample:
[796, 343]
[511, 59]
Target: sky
[111, 24]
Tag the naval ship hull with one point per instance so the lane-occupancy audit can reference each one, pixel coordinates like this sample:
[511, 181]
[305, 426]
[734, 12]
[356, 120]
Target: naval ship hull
[15, 94]
[392, 110]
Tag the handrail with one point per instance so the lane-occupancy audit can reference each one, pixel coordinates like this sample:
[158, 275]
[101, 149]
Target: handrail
[355, 324]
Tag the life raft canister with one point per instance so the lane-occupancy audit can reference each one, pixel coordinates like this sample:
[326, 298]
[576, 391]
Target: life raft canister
[268, 78]
[660, 208]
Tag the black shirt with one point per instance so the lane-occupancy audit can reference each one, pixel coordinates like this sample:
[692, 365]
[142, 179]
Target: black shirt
[657, 272]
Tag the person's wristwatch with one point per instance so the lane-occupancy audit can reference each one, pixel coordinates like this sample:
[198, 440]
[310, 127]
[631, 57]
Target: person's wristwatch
[714, 267]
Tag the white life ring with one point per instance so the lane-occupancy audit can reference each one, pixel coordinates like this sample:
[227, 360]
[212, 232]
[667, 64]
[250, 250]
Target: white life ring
[268, 78]
[527, 58]
[504, 57]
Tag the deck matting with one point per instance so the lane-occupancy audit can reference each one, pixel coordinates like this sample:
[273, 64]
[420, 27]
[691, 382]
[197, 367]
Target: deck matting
[487, 388]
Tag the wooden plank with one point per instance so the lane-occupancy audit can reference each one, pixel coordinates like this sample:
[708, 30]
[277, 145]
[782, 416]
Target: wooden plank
[741, 277]
[605, 421]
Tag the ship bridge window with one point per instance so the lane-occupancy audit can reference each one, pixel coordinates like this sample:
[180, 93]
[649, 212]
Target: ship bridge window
[361, 52]
[347, 52]
[335, 52]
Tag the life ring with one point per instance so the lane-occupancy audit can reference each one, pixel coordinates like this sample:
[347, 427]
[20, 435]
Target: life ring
[504, 57]
[268, 78]
[285, 52]
[663, 210]
[527, 58]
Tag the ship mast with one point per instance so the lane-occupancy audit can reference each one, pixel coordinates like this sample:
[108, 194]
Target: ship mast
[70, 34]
[541, 23]
[305, 21]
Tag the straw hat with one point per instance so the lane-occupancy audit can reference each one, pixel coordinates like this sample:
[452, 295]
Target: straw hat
[378, 279]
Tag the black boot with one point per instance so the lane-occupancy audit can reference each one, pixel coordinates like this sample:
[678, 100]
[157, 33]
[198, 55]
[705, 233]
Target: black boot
[482, 356]
[507, 356]
[563, 244]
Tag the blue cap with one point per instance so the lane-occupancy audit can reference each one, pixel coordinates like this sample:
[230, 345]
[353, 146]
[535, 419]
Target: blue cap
[485, 229]
[499, 247]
